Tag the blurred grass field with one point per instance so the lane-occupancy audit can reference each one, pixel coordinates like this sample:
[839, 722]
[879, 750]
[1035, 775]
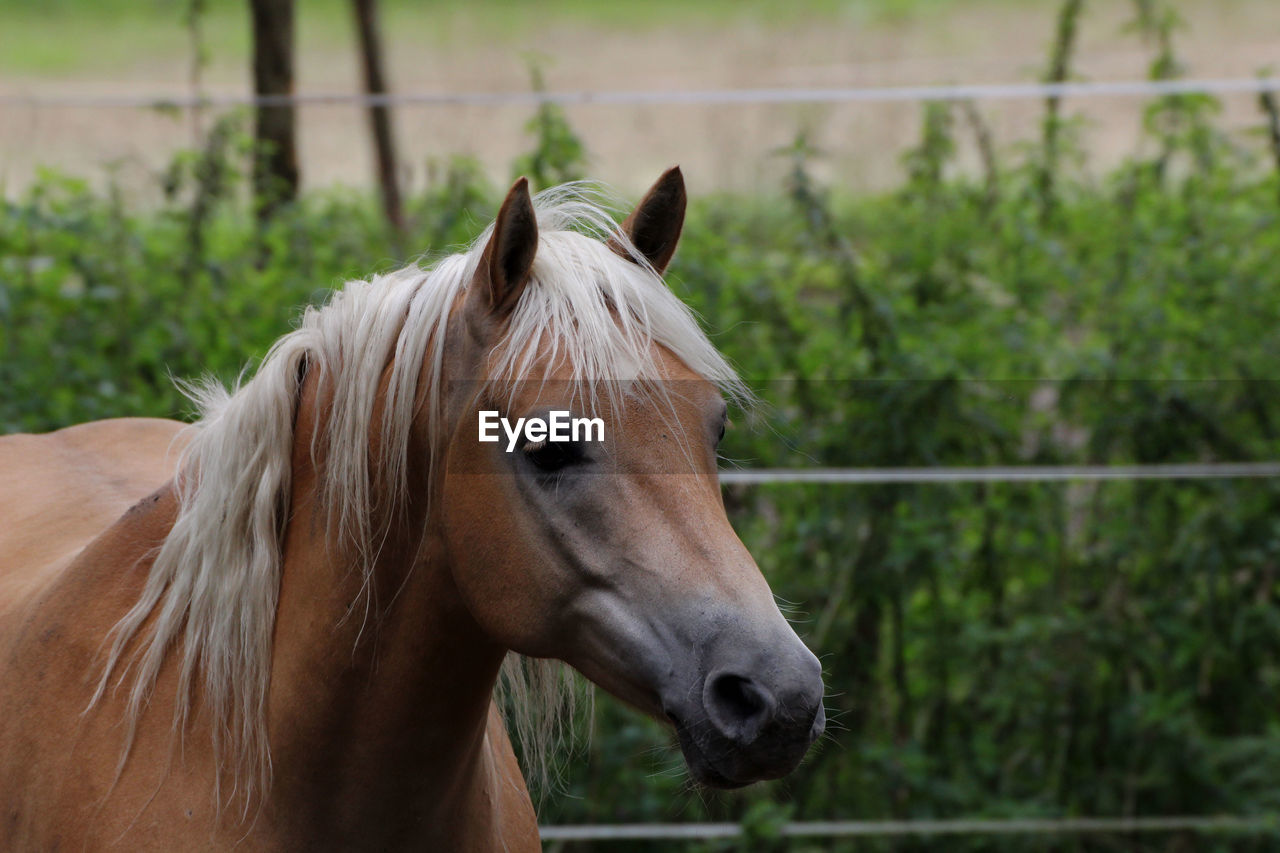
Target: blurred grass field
[113, 48]
[67, 37]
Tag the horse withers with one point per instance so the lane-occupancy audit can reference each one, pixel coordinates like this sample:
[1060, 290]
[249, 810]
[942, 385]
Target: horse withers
[281, 628]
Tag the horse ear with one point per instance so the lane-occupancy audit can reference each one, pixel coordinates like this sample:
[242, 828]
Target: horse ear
[654, 226]
[507, 261]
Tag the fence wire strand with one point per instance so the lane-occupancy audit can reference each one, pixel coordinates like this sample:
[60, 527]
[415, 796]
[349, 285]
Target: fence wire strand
[709, 97]
[1003, 473]
[1262, 824]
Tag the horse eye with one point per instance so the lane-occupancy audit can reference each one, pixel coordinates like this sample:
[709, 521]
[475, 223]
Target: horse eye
[551, 456]
[720, 437]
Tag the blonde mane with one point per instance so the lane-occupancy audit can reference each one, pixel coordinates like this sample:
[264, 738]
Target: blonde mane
[212, 590]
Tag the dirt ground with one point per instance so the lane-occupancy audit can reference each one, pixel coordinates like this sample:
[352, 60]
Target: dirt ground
[720, 147]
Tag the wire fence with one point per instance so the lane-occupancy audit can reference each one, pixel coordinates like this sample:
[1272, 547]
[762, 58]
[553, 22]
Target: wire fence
[1004, 473]
[709, 97]
[1253, 825]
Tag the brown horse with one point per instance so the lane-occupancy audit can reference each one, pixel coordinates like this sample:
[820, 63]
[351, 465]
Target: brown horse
[281, 629]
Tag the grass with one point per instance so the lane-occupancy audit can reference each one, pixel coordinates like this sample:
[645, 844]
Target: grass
[69, 38]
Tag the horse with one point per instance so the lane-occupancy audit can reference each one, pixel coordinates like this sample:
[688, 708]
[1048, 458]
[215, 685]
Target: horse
[282, 627]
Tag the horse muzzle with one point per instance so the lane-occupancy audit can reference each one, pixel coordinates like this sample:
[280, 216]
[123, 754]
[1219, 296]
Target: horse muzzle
[747, 726]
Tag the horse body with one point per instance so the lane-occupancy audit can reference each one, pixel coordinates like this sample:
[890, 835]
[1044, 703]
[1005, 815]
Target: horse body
[60, 490]
[420, 774]
[289, 637]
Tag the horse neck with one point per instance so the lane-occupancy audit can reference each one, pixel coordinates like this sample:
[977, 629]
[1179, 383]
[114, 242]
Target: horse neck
[380, 694]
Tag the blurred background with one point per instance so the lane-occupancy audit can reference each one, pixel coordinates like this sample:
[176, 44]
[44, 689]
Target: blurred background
[68, 54]
[1043, 283]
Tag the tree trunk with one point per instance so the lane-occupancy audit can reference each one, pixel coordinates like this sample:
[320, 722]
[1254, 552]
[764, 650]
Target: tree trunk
[275, 157]
[375, 83]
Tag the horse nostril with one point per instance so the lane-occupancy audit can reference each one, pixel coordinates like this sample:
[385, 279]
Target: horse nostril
[737, 706]
[738, 696]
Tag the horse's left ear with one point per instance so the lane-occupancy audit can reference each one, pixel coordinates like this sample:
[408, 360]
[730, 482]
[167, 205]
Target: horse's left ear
[507, 261]
[654, 226]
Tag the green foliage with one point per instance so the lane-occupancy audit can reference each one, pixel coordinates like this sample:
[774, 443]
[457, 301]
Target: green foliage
[101, 306]
[558, 155]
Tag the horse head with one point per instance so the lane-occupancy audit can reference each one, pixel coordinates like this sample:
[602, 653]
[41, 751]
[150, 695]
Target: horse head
[609, 547]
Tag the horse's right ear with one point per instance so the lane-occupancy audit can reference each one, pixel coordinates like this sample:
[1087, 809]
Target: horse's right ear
[507, 262]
